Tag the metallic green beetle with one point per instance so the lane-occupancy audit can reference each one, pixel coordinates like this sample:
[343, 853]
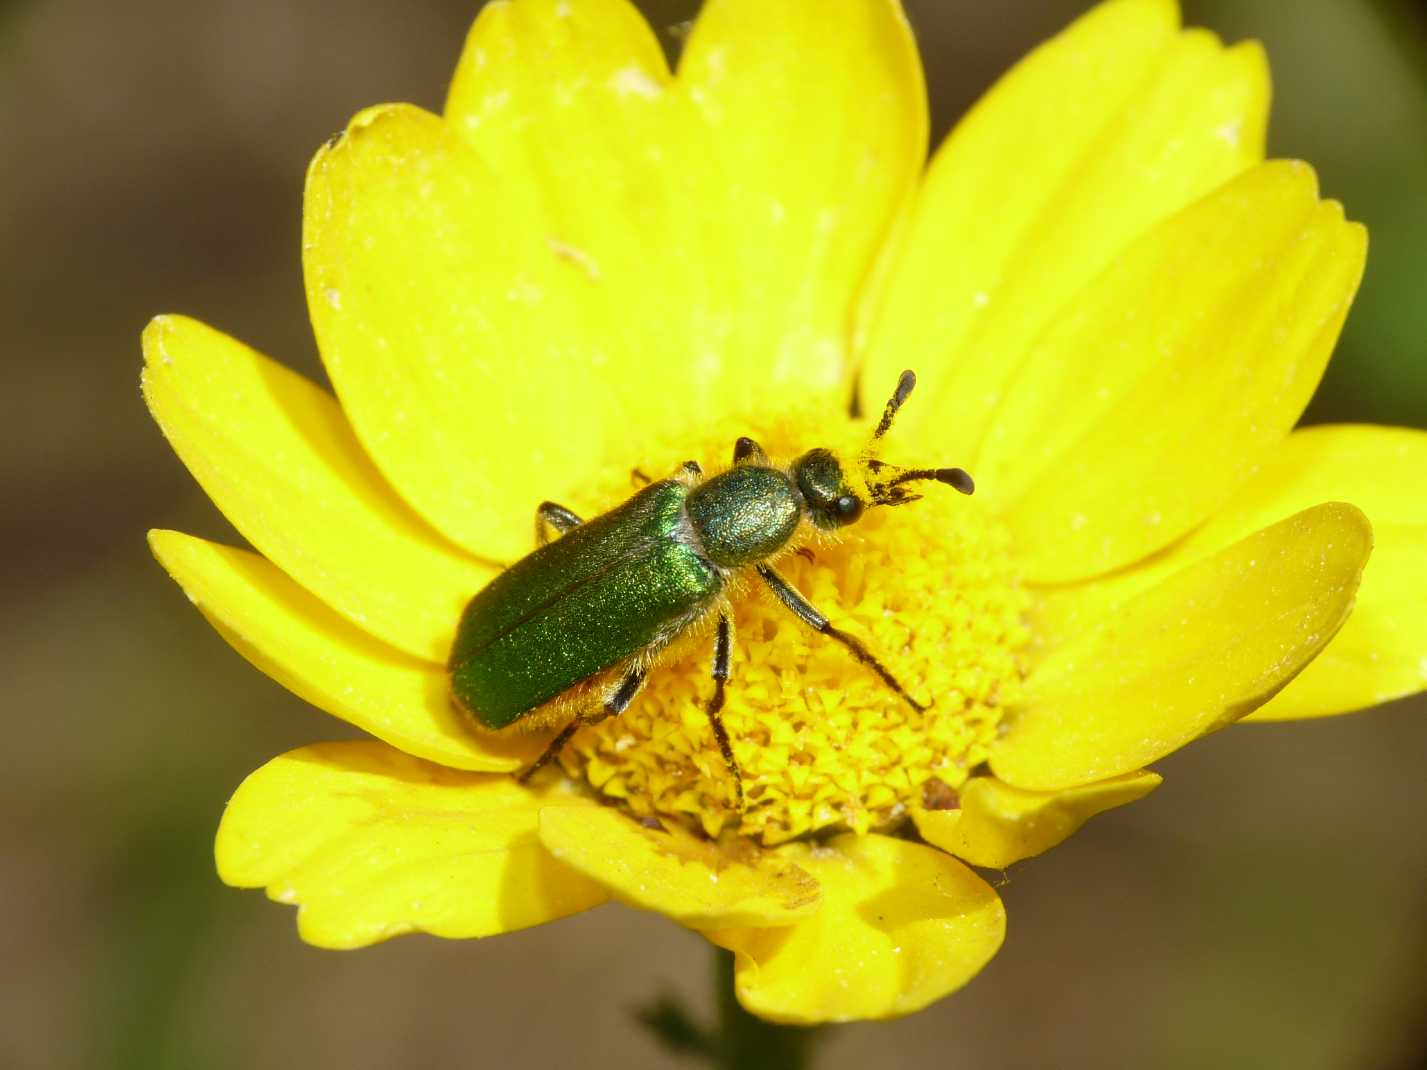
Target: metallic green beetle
[567, 634]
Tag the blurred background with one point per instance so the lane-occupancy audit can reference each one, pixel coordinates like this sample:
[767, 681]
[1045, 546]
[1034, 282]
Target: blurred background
[1263, 909]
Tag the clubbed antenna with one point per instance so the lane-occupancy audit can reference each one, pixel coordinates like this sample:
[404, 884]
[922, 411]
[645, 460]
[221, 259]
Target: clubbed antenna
[906, 383]
[886, 483]
[952, 477]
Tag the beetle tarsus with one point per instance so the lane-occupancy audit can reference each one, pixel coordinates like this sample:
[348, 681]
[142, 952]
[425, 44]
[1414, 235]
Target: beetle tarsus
[862, 654]
[813, 618]
[551, 752]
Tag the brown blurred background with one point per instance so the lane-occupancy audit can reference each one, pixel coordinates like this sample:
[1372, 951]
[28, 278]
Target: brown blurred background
[1263, 909]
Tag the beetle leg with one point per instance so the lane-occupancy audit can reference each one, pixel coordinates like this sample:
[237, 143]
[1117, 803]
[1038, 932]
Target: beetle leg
[723, 648]
[809, 615]
[746, 451]
[613, 705]
[549, 515]
[636, 475]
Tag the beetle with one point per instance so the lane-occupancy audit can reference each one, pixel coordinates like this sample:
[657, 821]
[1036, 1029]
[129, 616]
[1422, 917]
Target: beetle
[568, 634]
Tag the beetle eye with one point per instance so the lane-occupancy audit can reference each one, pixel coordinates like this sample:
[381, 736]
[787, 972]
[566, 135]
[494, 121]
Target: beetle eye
[848, 507]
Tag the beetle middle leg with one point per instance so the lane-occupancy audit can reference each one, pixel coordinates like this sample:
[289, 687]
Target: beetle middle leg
[613, 705]
[808, 614]
[549, 515]
[723, 649]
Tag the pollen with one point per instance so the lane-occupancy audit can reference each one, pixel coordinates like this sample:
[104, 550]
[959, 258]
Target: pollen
[823, 744]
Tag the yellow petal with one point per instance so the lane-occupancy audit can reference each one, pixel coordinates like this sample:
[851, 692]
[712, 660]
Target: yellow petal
[737, 207]
[901, 926]
[1379, 653]
[1087, 143]
[1156, 396]
[370, 843]
[694, 881]
[569, 100]
[448, 319]
[1201, 649]
[812, 134]
[276, 456]
[332, 664]
[999, 824]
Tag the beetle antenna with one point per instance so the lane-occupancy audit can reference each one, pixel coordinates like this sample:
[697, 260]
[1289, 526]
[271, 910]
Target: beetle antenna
[885, 481]
[959, 478]
[906, 382]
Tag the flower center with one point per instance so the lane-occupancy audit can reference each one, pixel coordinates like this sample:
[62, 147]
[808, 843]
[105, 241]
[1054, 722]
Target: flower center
[822, 742]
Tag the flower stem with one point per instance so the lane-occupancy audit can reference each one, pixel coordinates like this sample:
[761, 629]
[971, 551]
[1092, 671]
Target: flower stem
[747, 1042]
[736, 1040]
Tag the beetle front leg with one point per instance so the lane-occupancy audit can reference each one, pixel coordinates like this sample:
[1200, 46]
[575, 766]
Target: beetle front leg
[613, 705]
[809, 615]
[549, 515]
[746, 451]
[723, 650]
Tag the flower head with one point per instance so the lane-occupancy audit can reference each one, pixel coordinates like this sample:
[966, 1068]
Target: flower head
[590, 265]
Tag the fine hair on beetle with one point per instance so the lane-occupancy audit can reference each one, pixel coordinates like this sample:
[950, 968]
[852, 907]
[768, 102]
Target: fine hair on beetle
[566, 636]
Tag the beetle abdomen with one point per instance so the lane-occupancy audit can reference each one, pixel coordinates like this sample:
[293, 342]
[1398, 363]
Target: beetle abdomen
[604, 592]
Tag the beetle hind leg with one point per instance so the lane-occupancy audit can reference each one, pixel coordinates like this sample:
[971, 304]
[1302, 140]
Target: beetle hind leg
[723, 648]
[614, 704]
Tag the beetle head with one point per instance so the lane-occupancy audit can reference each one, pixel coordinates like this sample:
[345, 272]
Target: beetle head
[837, 497]
[832, 500]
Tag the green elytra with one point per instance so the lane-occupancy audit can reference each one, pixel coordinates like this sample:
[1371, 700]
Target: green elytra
[594, 606]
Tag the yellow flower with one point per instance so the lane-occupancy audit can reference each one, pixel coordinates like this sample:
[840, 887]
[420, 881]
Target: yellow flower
[1117, 311]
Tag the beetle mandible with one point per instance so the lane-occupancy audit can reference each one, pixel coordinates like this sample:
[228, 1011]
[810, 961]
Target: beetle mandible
[567, 634]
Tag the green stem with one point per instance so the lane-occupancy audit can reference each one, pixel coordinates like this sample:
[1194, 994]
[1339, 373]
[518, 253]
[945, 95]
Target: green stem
[736, 1040]
[746, 1042]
